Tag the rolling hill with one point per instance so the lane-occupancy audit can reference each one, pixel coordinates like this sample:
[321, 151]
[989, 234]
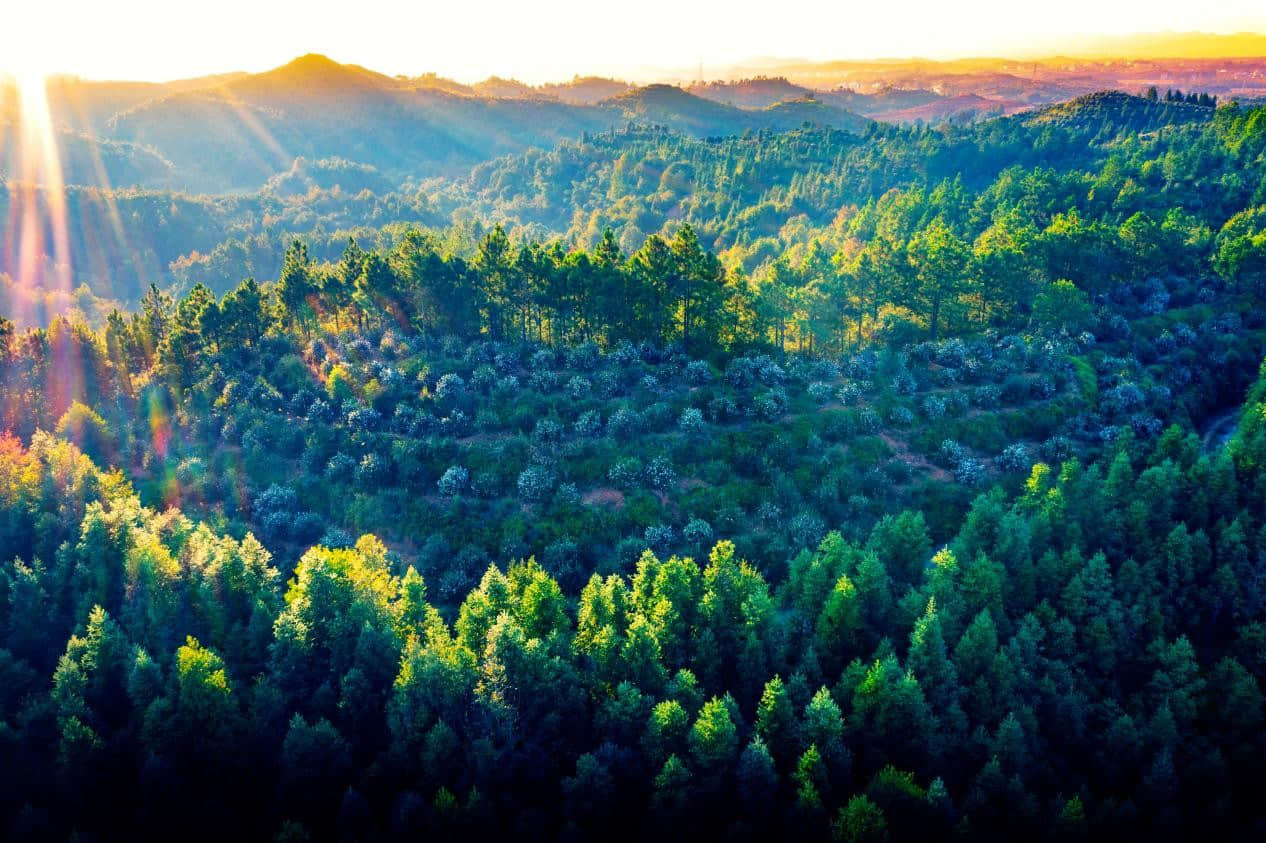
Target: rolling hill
[1118, 112]
[237, 132]
[683, 111]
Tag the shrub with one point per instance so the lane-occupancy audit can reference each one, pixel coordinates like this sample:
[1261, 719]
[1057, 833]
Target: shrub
[579, 387]
[697, 532]
[583, 356]
[624, 353]
[904, 384]
[722, 409]
[627, 552]
[486, 484]
[1122, 398]
[362, 418]
[1146, 425]
[772, 405]
[337, 539]
[691, 421]
[820, 392]
[567, 494]
[589, 423]
[970, 472]
[535, 484]
[456, 424]
[698, 373]
[769, 512]
[372, 470]
[547, 432]
[659, 536]
[307, 527]
[506, 388]
[806, 529]
[1183, 334]
[849, 393]
[626, 472]
[933, 407]
[741, 372]
[484, 378]
[624, 423]
[449, 386]
[1057, 449]
[454, 481]
[543, 380]
[1044, 387]
[660, 473]
[1155, 304]
[275, 498]
[862, 364]
[320, 411]
[987, 396]
[952, 452]
[657, 417]
[1015, 458]
[606, 384]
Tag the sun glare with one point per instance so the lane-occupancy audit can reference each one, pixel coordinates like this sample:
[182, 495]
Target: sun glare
[37, 228]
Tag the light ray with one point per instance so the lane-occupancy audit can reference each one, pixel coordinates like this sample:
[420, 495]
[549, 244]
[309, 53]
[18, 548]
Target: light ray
[38, 235]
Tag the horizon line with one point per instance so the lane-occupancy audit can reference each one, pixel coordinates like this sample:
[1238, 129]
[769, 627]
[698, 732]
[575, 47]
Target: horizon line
[1093, 51]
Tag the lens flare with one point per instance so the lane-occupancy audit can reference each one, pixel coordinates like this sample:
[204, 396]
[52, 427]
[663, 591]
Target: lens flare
[159, 425]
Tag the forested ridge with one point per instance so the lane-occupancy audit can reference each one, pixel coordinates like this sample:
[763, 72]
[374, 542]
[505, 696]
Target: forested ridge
[752, 199]
[807, 483]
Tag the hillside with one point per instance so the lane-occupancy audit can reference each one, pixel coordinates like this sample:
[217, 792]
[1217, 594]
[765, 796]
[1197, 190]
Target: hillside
[236, 135]
[1118, 112]
[585, 90]
[682, 111]
[238, 132]
[498, 88]
[961, 108]
[758, 92]
[412, 460]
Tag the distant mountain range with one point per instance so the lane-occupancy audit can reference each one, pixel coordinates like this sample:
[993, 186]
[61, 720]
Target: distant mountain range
[234, 132]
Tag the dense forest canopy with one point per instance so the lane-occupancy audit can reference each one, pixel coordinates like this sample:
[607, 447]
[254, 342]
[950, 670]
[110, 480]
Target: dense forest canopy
[867, 483]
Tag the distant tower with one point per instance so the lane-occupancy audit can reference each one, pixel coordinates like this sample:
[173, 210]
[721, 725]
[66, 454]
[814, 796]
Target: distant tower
[701, 70]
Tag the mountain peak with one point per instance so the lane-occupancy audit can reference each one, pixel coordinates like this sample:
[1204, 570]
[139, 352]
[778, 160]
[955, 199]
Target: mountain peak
[314, 71]
[311, 60]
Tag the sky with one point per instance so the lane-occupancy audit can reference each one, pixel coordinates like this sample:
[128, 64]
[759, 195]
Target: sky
[554, 40]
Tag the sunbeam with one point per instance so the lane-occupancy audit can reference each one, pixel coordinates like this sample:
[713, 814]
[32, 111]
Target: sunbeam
[39, 218]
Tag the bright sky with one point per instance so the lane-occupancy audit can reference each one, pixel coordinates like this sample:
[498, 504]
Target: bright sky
[555, 39]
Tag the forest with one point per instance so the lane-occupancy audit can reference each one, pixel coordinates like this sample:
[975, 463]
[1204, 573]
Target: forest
[881, 483]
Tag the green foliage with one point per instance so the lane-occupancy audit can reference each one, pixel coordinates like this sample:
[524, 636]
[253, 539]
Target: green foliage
[532, 442]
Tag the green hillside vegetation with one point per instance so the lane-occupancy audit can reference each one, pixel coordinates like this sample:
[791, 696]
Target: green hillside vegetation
[649, 466]
[1083, 655]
